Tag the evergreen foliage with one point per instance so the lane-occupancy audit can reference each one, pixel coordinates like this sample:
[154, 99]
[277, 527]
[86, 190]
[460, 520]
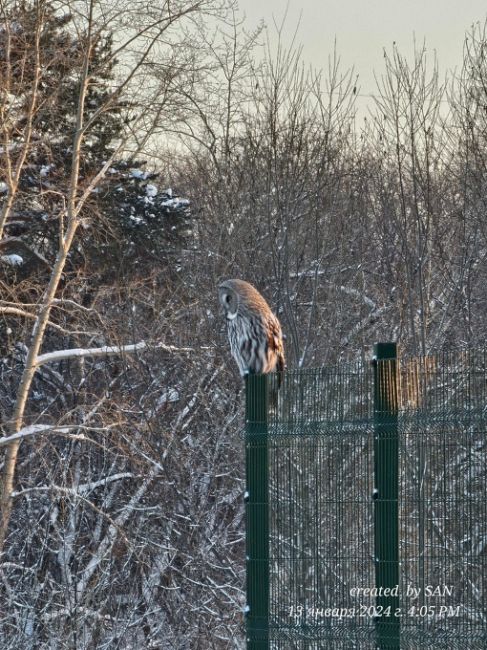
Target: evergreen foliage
[125, 221]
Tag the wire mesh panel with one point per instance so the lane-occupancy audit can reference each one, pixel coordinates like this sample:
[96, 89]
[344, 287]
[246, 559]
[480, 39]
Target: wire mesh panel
[321, 528]
[321, 510]
[443, 500]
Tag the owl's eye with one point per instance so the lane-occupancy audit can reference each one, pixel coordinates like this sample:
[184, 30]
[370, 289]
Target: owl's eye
[227, 298]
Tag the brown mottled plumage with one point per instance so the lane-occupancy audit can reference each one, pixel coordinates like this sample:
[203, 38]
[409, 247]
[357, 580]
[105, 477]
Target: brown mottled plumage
[254, 331]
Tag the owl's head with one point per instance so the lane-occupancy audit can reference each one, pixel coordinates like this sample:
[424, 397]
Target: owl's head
[228, 298]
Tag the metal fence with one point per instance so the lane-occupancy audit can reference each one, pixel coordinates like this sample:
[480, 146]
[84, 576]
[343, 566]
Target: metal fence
[367, 505]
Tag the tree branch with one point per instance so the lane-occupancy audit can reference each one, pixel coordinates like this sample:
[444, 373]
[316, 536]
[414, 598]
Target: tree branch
[106, 350]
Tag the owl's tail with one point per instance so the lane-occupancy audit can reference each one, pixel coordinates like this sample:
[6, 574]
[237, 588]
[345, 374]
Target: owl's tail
[280, 367]
[276, 385]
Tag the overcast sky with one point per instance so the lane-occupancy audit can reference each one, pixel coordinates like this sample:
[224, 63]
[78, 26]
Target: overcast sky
[364, 27]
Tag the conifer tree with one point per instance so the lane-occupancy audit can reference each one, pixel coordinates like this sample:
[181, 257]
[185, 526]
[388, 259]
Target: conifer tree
[127, 217]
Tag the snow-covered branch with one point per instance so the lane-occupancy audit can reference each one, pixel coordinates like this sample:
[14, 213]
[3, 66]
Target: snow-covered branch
[104, 351]
[17, 260]
[38, 429]
[350, 291]
[82, 489]
[370, 319]
[110, 537]
[15, 311]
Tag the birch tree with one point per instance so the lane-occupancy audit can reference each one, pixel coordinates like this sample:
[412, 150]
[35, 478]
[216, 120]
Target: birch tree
[135, 51]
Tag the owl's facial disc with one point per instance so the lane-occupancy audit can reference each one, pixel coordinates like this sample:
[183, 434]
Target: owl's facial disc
[230, 304]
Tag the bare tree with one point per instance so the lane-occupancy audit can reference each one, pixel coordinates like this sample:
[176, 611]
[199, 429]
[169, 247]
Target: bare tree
[78, 190]
[15, 150]
[410, 132]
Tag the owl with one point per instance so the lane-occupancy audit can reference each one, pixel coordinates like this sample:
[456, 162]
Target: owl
[253, 331]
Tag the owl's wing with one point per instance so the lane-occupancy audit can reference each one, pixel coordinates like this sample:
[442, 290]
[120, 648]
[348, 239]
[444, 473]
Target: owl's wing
[275, 343]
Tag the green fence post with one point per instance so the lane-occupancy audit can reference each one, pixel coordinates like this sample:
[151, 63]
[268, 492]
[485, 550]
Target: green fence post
[257, 512]
[386, 511]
